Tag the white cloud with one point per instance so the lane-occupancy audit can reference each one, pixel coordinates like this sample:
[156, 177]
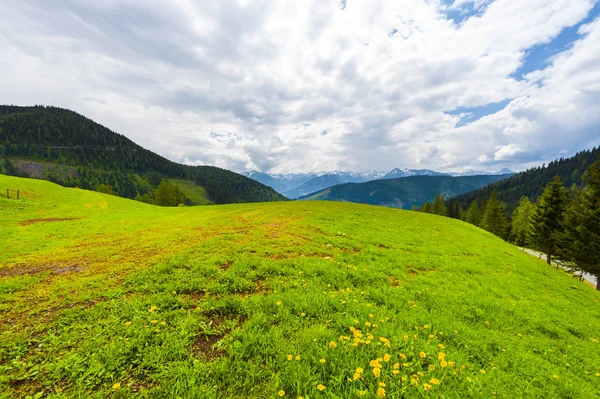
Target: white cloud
[268, 77]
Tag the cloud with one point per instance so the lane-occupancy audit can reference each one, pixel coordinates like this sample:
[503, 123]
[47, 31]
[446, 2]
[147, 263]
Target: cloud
[288, 86]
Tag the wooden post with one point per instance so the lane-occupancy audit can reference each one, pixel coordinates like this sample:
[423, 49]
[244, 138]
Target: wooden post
[18, 191]
[7, 194]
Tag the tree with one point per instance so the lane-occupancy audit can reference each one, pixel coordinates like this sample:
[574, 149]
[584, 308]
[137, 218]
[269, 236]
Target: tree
[105, 188]
[547, 218]
[520, 222]
[168, 194]
[414, 208]
[473, 214]
[580, 241]
[439, 208]
[494, 217]
[426, 208]
[451, 209]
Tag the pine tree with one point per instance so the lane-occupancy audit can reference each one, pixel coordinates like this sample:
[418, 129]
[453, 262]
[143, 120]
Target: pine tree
[426, 208]
[473, 214]
[494, 217]
[439, 208]
[451, 209]
[520, 222]
[547, 219]
[414, 208]
[580, 241]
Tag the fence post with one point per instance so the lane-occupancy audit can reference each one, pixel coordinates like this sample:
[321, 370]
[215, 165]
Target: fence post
[7, 194]
[18, 191]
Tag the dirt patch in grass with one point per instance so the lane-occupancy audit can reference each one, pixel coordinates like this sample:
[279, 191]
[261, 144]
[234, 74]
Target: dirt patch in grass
[85, 305]
[204, 345]
[45, 220]
[225, 266]
[19, 270]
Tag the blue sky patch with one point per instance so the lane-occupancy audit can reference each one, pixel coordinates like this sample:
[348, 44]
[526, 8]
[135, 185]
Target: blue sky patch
[462, 14]
[475, 113]
[324, 133]
[540, 56]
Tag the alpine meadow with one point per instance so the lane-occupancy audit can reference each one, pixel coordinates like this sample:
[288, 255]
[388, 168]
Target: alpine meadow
[316, 199]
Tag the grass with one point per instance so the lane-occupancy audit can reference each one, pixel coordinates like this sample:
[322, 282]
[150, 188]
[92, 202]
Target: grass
[106, 297]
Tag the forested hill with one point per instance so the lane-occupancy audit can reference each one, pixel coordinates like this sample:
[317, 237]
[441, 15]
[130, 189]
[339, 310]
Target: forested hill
[403, 192]
[531, 183]
[65, 147]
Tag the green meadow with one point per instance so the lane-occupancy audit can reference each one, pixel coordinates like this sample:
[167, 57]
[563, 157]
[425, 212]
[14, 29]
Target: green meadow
[103, 297]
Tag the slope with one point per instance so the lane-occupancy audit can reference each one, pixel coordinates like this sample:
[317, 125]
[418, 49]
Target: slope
[403, 192]
[531, 183]
[67, 148]
[106, 297]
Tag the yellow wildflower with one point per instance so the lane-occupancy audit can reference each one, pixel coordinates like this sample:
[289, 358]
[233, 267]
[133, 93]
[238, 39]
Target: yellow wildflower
[381, 393]
[116, 386]
[332, 344]
[396, 366]
[356, 376]
[395, 372]
[321, 387]
[406, 337]
[555, 376]
[376, 372]
[426, 326]
[128, 323]
[422, 355]
[382, 384]
[431, 336]
[371, 315]
[281, 393]
[435, 381]
[297, 358]
[443, 363]
[154, 321]
[375, 363]
[431, 367]
[362, 393]
[278, 303]
[469, 379]
[302, 314]
[403, 356]
[290, 357]
[482, 371]
[152, 309]
[441, 356]
[164, 323]
[441, 346]
[386, 358]
[323, 361]
[426, 387]
[405, 364]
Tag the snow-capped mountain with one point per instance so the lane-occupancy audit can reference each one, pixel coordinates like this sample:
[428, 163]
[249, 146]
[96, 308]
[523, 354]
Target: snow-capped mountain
[395, 173]
[294, 185]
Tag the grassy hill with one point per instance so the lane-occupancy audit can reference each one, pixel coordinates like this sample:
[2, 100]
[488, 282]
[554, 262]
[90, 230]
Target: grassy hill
[404, 192]
[531, 183]
[106, 297]
[67, 148]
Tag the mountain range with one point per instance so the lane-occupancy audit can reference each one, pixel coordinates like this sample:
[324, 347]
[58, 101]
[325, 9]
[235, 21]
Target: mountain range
[297, 185]
[404, 192]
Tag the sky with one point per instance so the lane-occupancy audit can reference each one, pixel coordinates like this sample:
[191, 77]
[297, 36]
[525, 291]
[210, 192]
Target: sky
[304, 86]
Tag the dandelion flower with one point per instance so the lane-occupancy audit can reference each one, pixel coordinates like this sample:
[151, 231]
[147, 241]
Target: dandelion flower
[297, 358]
[555, 376]
[116, 386]
[396, 366]
[381, 393]
[469, 379]
[164, 323]
[381, 384]
[443, 363]
[154, 321]
[395, 372]
[360, 370]
[290, 357]
[332, 344]
[376, 372]
[431, 367]
[426, 387]
[323, 361]
[426, 326]
[281, 393]
[435, 381]
[128, 323]
[403, 356]
[597, 374]
[362, 393]
[386, 358]
[302, 314]
[441, 346]
[482, 371]
[321, 387]
[422, 355]
[431, 336]
[371, 315]
[405, 364]
[356, 376]
[152, 309]
[278, 303]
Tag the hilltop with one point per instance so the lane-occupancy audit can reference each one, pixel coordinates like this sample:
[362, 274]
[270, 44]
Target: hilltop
[404, 192]
[67, 148]
[101, 296]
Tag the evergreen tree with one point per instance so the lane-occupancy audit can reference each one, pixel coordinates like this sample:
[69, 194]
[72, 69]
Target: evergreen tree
[520, 222]
[473, 214]
[547, 218]
[494, 217]
[414, 208]
[580, 241]
[426, 208]
[168, 194]
[105, 188]
[439, 208]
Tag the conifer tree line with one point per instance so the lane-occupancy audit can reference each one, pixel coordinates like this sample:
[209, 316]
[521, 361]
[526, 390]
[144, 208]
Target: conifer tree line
[563, 223]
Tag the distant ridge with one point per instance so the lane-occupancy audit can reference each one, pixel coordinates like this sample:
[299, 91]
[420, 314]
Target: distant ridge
[404, 192]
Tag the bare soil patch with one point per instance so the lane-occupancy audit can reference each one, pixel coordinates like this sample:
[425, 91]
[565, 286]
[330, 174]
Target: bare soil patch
[45, 220]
